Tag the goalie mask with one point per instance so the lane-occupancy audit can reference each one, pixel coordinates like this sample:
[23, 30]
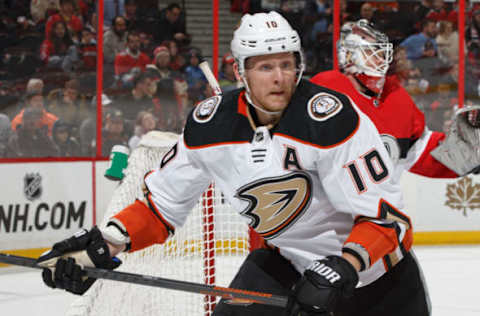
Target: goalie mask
[264, 34]
[365, 53]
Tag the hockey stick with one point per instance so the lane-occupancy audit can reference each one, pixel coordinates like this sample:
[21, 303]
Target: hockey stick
[234, 296]
[212, 81]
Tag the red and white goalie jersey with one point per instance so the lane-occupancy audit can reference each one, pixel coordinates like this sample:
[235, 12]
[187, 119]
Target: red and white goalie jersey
[318, 181]
[400, 123]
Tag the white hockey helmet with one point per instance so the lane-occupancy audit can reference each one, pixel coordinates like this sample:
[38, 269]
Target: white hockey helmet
[264, 34]
[365, 52]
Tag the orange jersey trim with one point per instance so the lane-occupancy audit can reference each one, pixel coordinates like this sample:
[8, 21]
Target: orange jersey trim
[377, 240]
[381, 240]
[143, 226]
[242, 104]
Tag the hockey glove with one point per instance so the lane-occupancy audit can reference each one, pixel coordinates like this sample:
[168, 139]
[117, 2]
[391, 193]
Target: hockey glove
[64, 262]
[321, 287]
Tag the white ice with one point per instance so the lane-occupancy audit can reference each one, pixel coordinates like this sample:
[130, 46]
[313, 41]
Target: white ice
[452, 274]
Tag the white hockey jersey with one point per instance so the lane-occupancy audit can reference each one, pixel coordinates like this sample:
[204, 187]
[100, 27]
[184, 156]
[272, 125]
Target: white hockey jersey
[316, 184]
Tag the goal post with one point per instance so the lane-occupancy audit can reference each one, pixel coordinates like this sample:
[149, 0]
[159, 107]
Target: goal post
[208, 249]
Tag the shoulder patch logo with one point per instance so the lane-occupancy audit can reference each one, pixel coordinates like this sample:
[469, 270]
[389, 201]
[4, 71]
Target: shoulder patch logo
[205, 110]
[322, 106]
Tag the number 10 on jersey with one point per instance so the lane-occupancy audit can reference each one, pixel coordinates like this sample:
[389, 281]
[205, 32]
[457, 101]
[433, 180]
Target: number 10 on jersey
[371, 164]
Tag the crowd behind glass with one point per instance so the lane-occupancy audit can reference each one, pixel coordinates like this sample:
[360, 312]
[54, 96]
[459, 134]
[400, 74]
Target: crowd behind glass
[151, 78]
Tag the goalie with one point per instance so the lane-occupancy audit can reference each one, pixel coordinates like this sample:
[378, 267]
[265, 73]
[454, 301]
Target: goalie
[303, 165]
[364, 55]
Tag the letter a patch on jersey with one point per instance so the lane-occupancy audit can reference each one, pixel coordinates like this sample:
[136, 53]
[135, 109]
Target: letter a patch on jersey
[290, 162]
[322, 106]
[205, 110]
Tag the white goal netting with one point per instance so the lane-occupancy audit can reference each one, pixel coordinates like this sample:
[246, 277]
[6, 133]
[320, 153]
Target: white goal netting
[209, 248]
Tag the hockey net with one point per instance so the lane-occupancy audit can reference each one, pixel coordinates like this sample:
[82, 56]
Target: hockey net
[208, 249]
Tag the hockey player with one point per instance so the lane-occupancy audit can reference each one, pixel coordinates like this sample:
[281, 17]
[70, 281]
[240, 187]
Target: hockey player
[364, 55]
[303, 165]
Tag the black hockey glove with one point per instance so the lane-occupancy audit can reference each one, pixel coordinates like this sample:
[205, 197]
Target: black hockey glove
[321, 287]
[63, 263]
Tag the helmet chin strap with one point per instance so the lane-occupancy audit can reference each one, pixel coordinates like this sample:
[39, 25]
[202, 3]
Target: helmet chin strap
[247, 96]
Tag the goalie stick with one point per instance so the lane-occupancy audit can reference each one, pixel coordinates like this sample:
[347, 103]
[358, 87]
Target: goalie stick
[234, 296]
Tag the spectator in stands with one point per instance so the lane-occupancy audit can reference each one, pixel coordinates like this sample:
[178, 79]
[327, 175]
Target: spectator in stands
[27, 35]
[447, 42]
[67, 145]
[177, 60]
[172, 26]
[34, 100]
[145, 123]
[35, 84]
[131, 14]
[227, 80]
[115, 39]
[171, 97]
[130, 58]
[67, 15]
[68, 105]
[87, 50]
[11, 108]
[318, 15]
[438, 12]
[113, 132]
[195, 77]
[42, 9]
[366, 12]
[139, 98]
[58, 50]
[421, 10]
[111, 10]
[88, 128]
[472, 34]
[92, 23]
[5, 132]
[147, 45]
[31, 138]
[422, 44]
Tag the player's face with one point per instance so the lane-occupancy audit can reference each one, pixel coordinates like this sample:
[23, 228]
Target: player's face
[271, 79]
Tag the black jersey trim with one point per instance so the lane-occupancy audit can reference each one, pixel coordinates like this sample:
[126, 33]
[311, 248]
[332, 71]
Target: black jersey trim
[332, 130]
[224, 127]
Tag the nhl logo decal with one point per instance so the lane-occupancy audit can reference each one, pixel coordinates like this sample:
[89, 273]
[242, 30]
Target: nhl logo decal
[322, 106]
[206, 109]
[32, 186]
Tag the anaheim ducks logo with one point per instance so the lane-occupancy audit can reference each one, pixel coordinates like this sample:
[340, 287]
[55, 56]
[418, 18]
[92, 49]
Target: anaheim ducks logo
[322, 106]
[205, 110]
[276, 203]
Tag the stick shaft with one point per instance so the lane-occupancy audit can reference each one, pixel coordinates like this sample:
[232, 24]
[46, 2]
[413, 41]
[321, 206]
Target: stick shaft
[226, 293]
[212, 81]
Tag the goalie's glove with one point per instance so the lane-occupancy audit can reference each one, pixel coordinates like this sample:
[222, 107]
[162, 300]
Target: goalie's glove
[323, 284]
[460, 151]
[64, 262]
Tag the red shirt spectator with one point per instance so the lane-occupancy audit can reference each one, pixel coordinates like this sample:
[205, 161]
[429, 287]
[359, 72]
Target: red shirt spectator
[88, 50]
[66, 14]
[131, 57]
[57, 43]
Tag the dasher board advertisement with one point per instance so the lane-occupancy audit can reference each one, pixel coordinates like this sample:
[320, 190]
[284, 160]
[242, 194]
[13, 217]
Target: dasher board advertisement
[42, 203]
